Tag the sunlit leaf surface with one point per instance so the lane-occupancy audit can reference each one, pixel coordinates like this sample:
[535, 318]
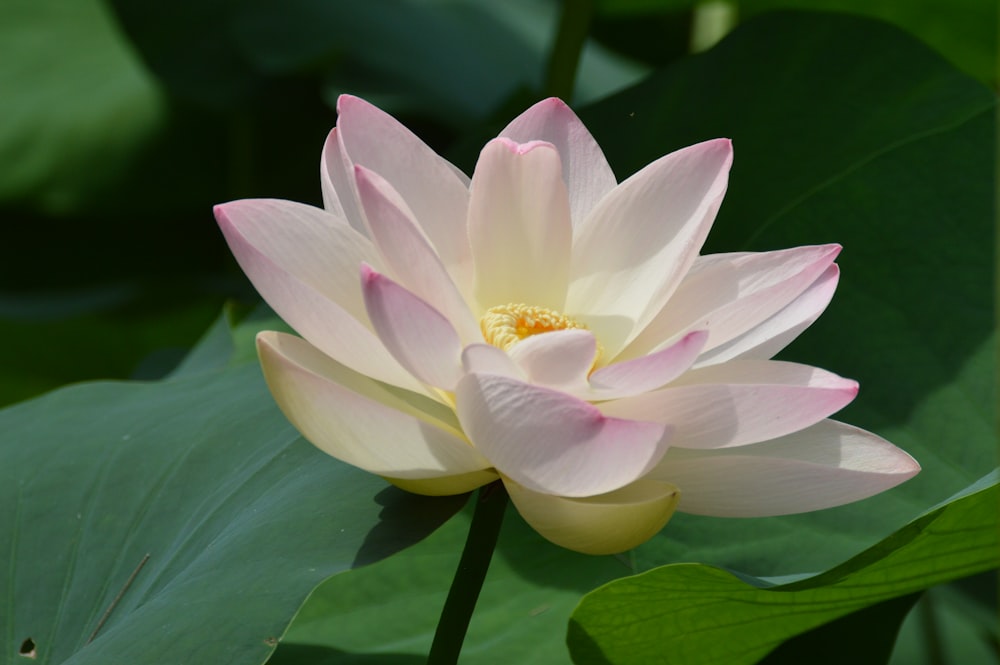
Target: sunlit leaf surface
[698, 614]
[198, 488]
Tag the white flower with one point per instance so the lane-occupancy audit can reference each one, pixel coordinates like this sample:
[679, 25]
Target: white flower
[548, 326]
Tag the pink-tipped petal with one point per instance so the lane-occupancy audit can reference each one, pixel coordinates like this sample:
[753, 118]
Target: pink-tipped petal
[729, 294]
[519, 225]
[303, 262]
[585, 170]
[409, 255]
[416, 334]
[560, 359]
[740, 402]
[304, 242]
[637, 244]
[826, 465]
[360, 422]
[771, 336]
[431, 187]
[641, 375]
[551, 442]
[604, 524]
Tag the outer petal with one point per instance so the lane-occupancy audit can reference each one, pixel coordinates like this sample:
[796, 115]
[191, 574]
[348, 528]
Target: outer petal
[519, 225]
[827, 465]
[409, 255]
[431, 187]
[729, 294]
[360, 422]
[631, 252]
[416, 334]
[640, 375]
[304, 263]
[585, 169]
[740, 402]
[771, 336]
[604, 524]
[551, 442]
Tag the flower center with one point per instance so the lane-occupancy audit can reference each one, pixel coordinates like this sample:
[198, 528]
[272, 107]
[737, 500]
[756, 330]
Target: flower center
[506, 325]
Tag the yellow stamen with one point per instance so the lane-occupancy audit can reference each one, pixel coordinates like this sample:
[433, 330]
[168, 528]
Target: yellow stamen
[506, 325]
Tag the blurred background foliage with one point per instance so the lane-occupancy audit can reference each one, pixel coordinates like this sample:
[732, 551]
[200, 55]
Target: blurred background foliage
[124, 121]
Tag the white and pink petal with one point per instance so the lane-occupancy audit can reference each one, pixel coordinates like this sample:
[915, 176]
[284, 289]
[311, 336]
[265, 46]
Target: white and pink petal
[408, 254]
[739, 403]
[551, 442]
[300, 259]
[772, 335]
[432, 188]
[519, 226]
[636, 245]
[561, 359]
[361, 422]
[640, 375]
[585, 170]
[419, 337]
[826, 465]
[339, 197]
[488, 359]
[729, 294]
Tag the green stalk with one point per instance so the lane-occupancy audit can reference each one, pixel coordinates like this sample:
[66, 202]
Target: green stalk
[491, 501]
[574, 23]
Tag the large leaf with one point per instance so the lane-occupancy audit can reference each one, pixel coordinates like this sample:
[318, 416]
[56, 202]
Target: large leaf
[521, 616]
[700, 615]
[240, 519]
[108, 332]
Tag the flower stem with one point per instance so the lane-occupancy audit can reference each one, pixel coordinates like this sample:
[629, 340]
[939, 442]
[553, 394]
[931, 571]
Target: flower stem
[491, 501]
[574, 23]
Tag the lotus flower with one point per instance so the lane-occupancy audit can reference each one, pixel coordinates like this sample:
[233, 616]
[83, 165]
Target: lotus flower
[546, 325]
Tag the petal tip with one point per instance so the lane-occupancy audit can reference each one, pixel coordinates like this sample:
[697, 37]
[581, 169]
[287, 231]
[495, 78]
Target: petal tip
[720, 146]
[695, 338]
[721, 143]
[345, 101]
[908, 466]
[219, 210]
[554, 102]
[265, 337]
[369, 276]
[364, 177]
